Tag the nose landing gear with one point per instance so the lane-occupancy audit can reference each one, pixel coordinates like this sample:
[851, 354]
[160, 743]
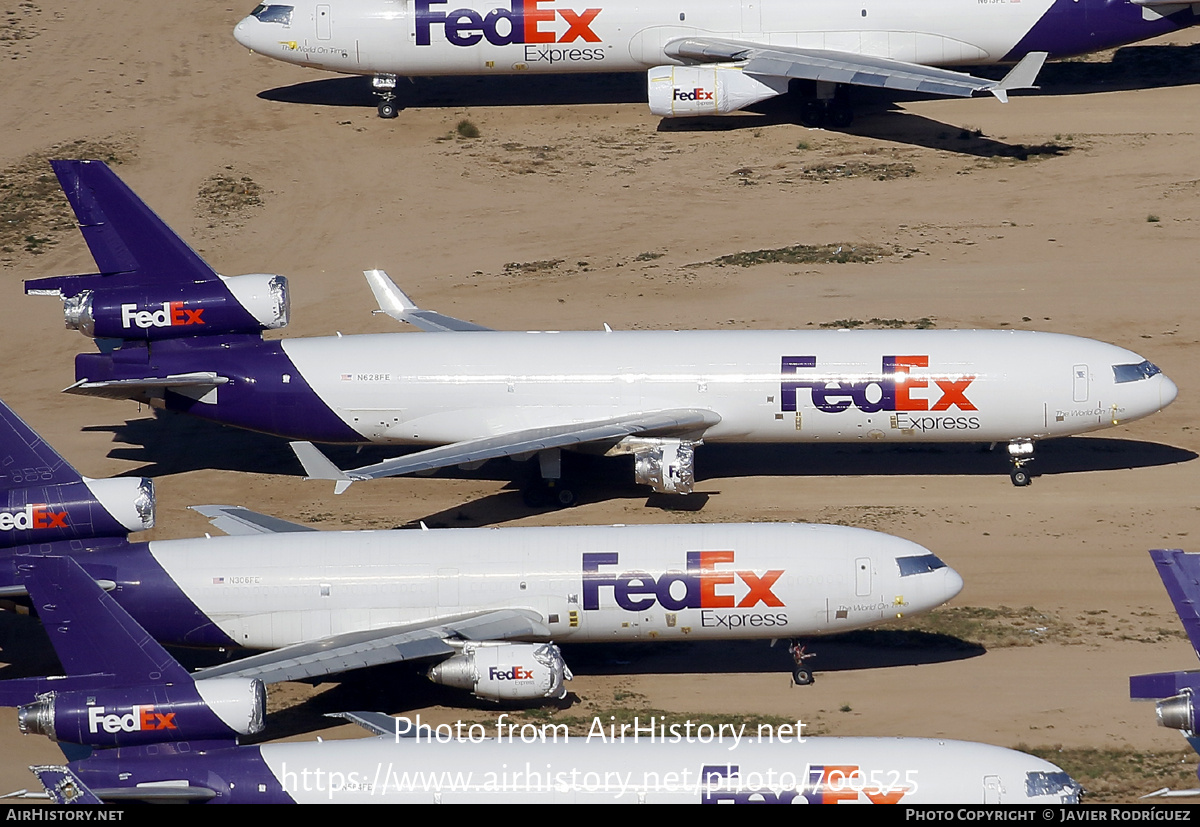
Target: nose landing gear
[801, 674]
[1020, 454]
[384, 86]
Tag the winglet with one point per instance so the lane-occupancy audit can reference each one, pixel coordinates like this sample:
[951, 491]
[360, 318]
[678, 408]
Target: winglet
[318, 467]
[1021, 76]
[392, 300]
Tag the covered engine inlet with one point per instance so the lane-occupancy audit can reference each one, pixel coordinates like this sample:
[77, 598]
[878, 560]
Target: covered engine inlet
[666, 465]
[505, 671]
[238, 304]
[711, 89]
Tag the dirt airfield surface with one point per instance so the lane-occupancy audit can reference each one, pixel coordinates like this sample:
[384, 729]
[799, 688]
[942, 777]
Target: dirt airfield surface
[1074, 210]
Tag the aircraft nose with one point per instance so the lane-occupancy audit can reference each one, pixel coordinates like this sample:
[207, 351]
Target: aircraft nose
[952, 584]
[1167, 391]
[243, 32]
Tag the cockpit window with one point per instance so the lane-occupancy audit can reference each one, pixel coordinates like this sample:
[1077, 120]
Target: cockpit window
[1039, 784]
[919, 564]
[1134, 373]
[273, 14]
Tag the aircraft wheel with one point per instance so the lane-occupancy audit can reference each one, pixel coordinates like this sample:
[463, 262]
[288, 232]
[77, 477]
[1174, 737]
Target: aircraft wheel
[840, 115]
[565, 497]
[1020, 477]
[387, 109]
[812, 112]
[803, 677]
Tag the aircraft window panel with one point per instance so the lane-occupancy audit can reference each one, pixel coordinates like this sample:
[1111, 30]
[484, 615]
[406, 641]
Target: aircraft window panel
[1135, 373]
[920, 564]
[274, 14]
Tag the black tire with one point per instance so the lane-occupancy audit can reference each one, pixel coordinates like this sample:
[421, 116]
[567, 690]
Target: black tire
[812, 112]
[1020, 477]
[565, 497]
[388, 110]
[802, 676]
[839, 115]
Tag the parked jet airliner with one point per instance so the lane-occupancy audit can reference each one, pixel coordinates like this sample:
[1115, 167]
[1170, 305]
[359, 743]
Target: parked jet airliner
[156, 734]
[177, 335]
[707, 57]
[482, 604]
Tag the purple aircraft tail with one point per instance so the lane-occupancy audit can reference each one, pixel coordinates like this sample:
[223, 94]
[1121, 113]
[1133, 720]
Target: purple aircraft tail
[121, 688]
[151, 284]
[1176, 691]
[43, 499]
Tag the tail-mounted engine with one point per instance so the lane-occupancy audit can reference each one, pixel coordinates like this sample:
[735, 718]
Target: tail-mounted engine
[217, 709]
[708, 89]
[1178, 712]
[505, 671]
[238, 304]
[88, 509]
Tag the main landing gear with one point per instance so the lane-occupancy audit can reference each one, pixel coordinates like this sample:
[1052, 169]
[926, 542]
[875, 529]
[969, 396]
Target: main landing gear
[384, 86]
[801, 674]
[549, 489]
[1020, 454]
[823, 104]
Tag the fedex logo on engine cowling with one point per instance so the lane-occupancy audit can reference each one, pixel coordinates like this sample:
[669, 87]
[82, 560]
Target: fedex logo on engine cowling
[172, 314]
[525, 21]
[696, 94]
[702, 586]
[897, 390]
[517, 673]
[141, 719]
[34, 515]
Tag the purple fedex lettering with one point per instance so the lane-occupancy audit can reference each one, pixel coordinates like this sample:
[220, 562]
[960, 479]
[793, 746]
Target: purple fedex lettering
[524, 22]
[702, 586]
[893, 391]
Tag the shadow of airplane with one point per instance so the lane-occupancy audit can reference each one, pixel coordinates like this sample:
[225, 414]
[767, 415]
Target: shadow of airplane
[401, 688]
[1132, 67]
[166, 444]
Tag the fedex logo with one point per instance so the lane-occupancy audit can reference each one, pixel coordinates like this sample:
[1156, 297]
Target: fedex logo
[515, 674]
[33, 516]
[898, 390]
[702, 586]
[172, 314]
[523, 22]
[141, 719]
[696, 94]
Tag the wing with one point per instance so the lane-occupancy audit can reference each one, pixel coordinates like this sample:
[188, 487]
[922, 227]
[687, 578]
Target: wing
[855, 69]
[235, 520]
[374, 647]
[400, 307]
[689, 421]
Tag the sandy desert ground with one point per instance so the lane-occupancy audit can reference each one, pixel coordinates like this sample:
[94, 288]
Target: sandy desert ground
[1074, 210]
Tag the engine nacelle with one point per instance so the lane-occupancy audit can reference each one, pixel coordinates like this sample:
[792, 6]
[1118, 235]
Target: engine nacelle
[505, 671]
[708, 89]
[130, 500]
[216, 709]
[1178, 712]
[666, 465]
[240, 304]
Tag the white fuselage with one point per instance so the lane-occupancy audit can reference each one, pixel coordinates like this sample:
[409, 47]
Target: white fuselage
[766, 386]
[534, 764]
[440, 37]
[764, 581]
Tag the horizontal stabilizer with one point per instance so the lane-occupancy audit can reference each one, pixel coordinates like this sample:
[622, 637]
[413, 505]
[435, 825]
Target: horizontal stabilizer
[692, 422]
[89, 631]
[235, 520]
[63, 786]
[197, 383]
[1162, 685]
[393, 301]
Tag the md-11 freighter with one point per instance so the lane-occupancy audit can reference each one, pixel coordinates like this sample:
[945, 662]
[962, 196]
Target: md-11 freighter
[483, 605]
[706, 57]
[154, 733]
[175, 334]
